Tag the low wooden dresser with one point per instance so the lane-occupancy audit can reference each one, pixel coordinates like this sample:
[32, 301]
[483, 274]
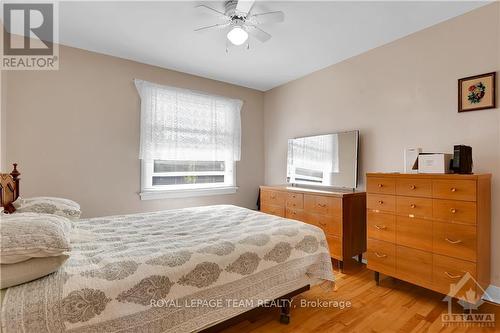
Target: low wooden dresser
[341, 214]
[430, 229]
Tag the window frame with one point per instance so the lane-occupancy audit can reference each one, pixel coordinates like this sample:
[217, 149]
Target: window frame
[150, 192]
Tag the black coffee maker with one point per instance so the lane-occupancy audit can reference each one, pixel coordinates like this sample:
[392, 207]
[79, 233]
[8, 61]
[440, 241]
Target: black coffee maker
[462, 159]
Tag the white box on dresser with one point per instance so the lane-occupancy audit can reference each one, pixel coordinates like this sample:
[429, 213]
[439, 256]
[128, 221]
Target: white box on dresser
[434, 163]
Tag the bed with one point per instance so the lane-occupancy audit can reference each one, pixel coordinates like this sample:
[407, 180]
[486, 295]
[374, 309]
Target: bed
[180, 270]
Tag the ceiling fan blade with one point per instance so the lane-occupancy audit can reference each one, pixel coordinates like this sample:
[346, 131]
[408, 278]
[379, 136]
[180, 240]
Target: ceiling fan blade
[271, 17]
[212, 11]
[215, 26]
[244, 6]
[258, 33]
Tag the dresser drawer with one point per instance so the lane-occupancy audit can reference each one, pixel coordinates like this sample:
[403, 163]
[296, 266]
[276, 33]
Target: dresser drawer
[455, 211]
[335, 246]
[323, 205]
[295, 214]
[381, 256]
[411, 206]
[381, 185]
[455, 240]
[270, 197]
[331, 225]
[381, 226]
[447, 270]
[414, 265]
[295, 200]
[380, 202]
[272, 209]
[454, 189]
[414, 232]
[414, 187]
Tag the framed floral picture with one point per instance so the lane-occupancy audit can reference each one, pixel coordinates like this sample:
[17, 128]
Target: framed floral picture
[477, 92]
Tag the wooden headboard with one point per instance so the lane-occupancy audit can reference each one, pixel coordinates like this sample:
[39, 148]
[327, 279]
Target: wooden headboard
[9, 189]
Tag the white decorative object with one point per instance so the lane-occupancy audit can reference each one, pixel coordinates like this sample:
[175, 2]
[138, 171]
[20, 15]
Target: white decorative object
[184, 125]
[434, 163]
[411, 155]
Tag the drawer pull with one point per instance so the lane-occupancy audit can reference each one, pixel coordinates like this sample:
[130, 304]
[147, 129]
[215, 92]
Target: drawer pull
[380, 185]
[380, 255]
[453, 210]
[380, 227]
[413, 205]
[380, 202]
[453, 241]
[453, 189]
[451, 276]
[412, 187]
[293, 196]
[273, 196]
[322, 205]
[294, 205]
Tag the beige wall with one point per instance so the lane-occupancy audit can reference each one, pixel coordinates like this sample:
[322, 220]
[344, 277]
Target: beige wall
[3, 99]
[75, 133]
[3, 120]
[403, 94]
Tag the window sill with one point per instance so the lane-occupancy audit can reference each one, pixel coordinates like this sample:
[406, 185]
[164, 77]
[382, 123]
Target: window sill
[196, 192]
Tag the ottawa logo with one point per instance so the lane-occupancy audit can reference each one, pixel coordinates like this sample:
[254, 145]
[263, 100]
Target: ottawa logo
[467, 293]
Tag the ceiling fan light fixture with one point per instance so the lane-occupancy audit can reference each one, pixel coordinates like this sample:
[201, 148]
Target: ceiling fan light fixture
[237, 35]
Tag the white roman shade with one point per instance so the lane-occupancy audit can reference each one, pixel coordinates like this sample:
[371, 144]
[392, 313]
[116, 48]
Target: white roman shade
[184, 125]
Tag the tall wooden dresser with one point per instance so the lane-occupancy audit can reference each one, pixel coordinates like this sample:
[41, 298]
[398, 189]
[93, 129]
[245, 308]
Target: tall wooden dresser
[430, 229]
[341, 214]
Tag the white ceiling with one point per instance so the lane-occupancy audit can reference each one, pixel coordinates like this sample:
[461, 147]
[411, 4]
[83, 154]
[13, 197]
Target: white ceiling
[313, 36]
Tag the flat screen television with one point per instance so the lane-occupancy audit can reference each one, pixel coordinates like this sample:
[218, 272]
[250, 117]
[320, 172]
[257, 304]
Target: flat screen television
[324, 160]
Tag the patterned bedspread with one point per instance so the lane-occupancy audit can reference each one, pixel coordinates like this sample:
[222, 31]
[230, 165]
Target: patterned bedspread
[169, 271]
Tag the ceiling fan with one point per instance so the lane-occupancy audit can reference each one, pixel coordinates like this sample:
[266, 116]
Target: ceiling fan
[240, 21]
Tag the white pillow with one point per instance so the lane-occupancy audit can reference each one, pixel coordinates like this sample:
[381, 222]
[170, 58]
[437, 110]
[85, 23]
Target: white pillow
[30, 235]
[25, 271]
[49, 205]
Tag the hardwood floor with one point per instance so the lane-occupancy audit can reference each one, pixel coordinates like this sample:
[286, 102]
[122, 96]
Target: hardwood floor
[394, 306]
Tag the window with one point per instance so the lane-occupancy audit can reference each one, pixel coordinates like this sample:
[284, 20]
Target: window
[190, 142]
[186, 175]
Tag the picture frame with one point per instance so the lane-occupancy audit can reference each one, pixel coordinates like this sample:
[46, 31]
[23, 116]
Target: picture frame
[477, 92]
